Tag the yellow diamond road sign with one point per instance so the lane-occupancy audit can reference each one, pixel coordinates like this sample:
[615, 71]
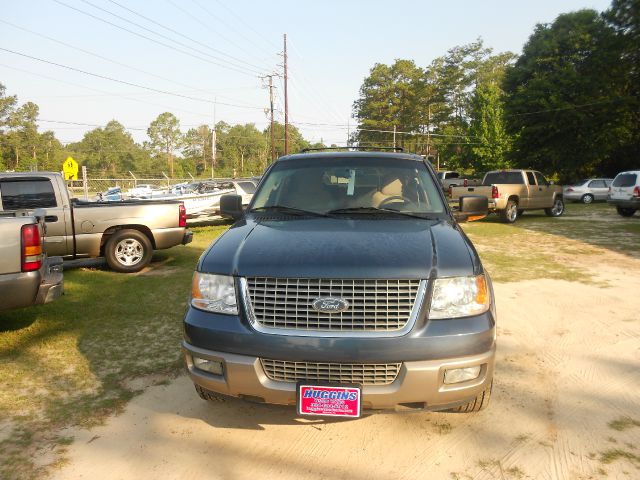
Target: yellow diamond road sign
[70, 169]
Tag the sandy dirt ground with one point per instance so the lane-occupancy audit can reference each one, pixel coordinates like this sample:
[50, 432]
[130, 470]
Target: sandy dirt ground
[568, 365]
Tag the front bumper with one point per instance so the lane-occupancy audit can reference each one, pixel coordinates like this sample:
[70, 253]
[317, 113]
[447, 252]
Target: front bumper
[419, 385]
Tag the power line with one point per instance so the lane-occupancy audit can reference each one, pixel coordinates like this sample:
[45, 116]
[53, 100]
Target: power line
[104, 77]
[258, 45]
[97, 55]
[244, 71]
[206, 25]
[176, 32]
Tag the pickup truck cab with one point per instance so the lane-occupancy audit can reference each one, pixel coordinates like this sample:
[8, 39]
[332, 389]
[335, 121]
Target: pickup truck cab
[624, 193]
[126, 232]
[346, 278]
[511, 192]
[27, 276]
[449, 178]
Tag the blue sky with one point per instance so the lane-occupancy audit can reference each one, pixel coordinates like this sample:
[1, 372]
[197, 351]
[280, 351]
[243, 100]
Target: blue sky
[224, 47]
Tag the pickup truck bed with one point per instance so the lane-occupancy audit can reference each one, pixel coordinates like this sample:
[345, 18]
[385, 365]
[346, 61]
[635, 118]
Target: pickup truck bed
[20, 287]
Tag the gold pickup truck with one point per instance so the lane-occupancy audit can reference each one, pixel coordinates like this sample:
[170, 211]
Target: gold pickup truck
[125, 233]
[511, 192]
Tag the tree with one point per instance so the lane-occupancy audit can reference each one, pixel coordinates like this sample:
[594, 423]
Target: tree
[164, 133]
[491, 142]
[197, 146]
[566, 103]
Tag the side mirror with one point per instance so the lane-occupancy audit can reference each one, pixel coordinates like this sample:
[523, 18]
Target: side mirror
[231, 206]
[472, 207]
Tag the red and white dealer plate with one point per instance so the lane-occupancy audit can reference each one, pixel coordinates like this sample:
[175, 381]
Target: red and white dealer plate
[330, 401]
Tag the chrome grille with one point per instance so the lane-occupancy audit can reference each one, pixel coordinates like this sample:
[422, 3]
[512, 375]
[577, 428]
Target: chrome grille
[374, 305]
[361, 373]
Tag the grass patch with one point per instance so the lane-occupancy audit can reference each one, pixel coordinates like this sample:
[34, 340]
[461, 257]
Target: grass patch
[68, 363]
[614, 454]
[537, 246]
[623, 423]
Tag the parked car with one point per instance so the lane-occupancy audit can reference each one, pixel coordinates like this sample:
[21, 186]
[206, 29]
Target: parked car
[346, 284]
[587, 191]
[125, 233]
[450, 178]
[27, 276]
[512, 192]
[625, 193]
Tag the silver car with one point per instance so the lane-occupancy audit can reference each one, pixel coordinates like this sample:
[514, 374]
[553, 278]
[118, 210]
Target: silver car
[589, 190]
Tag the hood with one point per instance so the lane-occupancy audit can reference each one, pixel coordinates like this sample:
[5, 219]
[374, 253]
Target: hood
[342, 248]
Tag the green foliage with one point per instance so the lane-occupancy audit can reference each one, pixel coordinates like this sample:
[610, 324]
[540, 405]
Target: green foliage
[435, 108]
[492, 143]
[569, 103]
[165, 136]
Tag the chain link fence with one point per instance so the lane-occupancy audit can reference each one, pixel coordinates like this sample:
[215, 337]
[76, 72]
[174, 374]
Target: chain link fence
[88, 187]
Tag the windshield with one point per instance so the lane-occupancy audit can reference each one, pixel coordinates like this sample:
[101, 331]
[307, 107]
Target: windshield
[352, 183]
[625, 180]
[506, 178]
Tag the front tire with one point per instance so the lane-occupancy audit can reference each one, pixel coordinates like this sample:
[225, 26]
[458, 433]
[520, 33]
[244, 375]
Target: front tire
[626, 212]
[557, 209]
[128, 251]
[477, 404]
[510, 213]
[587, 199]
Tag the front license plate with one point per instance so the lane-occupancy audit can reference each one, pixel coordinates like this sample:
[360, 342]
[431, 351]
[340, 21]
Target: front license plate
[331, 401]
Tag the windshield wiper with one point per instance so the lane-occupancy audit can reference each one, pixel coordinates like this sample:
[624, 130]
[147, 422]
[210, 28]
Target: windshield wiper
[377, 210]
[287, 210]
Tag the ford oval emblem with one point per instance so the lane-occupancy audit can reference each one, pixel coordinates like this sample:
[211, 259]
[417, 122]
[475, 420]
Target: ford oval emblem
[330, 305]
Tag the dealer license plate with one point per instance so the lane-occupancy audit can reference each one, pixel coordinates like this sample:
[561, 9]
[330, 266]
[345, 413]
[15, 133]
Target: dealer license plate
[329, 400]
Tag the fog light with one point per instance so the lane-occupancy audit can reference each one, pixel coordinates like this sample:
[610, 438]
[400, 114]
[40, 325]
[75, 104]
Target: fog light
[211, 366]
[458, 375]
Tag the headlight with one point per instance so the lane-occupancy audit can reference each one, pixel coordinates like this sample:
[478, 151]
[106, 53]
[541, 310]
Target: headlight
[459, 297]
[214, 293]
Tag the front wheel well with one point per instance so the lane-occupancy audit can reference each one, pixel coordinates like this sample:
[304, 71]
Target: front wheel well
[515, 198]
[111, 230]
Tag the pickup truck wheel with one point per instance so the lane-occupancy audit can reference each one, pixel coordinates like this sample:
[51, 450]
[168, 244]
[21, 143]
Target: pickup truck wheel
[587, 199]
[128, 251]
[477, 404]
[557, 209]
[626, 212]
[510, 213]
[208, 395]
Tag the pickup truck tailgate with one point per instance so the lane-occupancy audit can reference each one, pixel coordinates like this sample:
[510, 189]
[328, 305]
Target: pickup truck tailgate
[457, 192]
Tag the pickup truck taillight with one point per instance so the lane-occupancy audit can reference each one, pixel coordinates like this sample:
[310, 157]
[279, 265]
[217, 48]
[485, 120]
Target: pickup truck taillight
[182, 216]
[450, 191]
[636, 192]
[466, 182]
[31, 248]
[494, 192]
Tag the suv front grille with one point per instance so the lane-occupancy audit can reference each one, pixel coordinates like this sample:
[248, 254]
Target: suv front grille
[374, 305]
[360, 373]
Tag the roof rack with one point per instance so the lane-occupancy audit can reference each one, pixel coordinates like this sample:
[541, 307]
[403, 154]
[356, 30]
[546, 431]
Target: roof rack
[395, 149]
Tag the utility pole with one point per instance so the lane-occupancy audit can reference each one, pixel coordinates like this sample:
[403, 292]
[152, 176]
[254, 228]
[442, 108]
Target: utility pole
[213, 138]
[348, 132]
[286, 100]
[394, 136]
[273, 138]
[429, 131]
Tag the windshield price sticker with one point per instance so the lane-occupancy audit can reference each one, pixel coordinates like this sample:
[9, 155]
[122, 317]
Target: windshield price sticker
[329, 401]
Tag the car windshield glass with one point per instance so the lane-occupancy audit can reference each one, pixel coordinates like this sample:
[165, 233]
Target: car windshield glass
[365, 185]
[505, 178]
[625, 180]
